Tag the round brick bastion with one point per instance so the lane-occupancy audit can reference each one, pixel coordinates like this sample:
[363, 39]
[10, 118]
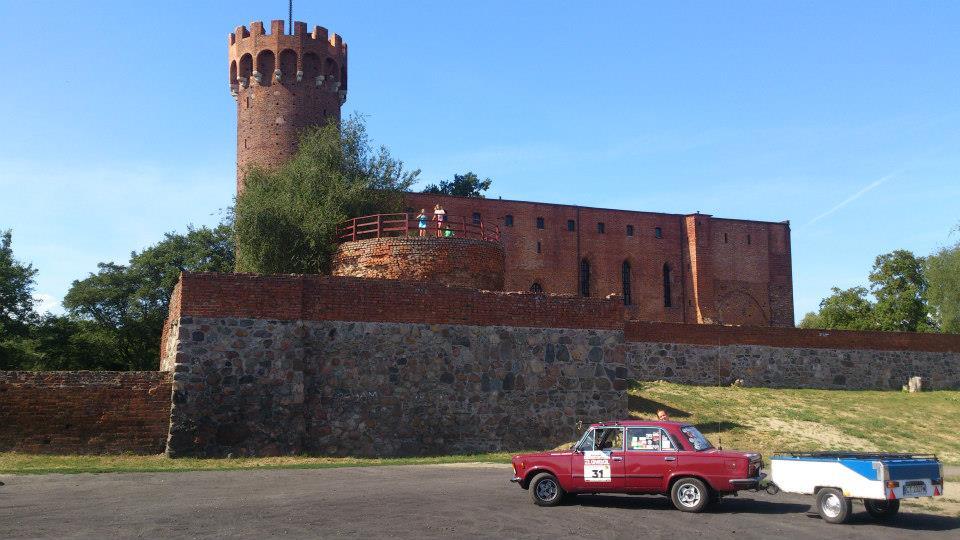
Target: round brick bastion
[478, 264]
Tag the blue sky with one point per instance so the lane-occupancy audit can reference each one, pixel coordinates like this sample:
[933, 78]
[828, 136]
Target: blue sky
[839, 116]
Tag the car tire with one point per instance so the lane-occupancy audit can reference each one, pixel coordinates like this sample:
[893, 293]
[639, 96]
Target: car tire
[545, 490]
[881, 509]
[832, 506]
[690, 495]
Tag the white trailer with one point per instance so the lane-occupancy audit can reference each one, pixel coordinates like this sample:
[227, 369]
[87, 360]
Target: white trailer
[880, 480]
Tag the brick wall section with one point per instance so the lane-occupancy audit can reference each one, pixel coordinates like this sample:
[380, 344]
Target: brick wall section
[451, 261]
[322, 298]
[715, 335]
[84, 412]
[731, 271]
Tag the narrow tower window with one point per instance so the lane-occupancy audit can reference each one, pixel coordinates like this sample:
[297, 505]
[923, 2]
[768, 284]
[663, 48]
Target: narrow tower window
[536, 288]
[538, 246]
[601, 227]
[629, 230]
[476, 218]
[539, 222]
[584, 278]
[657, 232]
[571, 225]
[666, 285]
[508, 220]
[625, 274]
[748, 239]
[724, 238]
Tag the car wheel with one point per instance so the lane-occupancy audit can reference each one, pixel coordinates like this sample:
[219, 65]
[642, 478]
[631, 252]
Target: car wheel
[690, 495]
[832, 506]
[546, 490]
[881, 508]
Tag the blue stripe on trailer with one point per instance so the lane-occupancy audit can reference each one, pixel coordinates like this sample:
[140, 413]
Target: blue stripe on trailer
[912, 469]
[865, 468]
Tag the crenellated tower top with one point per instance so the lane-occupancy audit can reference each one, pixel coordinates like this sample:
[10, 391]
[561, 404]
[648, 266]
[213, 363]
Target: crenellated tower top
[258, 57]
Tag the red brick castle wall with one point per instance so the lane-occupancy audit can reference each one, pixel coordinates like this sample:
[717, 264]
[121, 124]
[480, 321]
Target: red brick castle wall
[725, 271]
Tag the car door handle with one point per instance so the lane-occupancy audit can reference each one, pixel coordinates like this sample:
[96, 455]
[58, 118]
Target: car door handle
[670, 458]
[617, 458]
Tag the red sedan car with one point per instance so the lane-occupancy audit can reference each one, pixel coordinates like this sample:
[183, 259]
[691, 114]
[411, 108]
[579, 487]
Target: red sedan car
[638, 456]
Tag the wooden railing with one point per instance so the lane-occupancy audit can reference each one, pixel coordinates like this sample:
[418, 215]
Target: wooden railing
[392, 225]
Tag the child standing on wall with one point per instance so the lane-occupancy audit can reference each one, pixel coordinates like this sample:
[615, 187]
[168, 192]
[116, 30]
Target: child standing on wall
[422, 222]
[440, 216]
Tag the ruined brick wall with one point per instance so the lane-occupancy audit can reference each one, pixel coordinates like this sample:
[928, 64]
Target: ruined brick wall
[84, 412]
[451, 261]
[283, 83]
[730, 271]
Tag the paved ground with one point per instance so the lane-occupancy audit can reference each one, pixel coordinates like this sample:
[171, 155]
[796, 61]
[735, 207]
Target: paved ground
[399, 502]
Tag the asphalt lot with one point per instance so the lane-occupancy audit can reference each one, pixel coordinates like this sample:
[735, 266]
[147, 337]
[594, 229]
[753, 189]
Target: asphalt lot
[401, 502]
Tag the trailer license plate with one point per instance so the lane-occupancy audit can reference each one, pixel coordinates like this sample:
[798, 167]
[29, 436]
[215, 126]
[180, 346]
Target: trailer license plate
[913, 489]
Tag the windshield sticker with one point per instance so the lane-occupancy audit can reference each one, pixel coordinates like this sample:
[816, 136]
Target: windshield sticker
[596, 466]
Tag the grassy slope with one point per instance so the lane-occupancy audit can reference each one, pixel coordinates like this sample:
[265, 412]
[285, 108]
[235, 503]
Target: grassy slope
[771, 420]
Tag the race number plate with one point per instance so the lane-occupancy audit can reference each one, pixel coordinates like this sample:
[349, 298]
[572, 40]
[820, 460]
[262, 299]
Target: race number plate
[596, 466]
[914, 489]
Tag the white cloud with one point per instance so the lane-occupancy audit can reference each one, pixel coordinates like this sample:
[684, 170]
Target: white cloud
[46, 303]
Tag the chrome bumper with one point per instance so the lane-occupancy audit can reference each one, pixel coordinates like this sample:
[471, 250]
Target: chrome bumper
[516, 479]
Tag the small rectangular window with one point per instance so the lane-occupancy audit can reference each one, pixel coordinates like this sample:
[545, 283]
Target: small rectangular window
[571, 225]
[629, 230]
[538, 246]
[724, 238]
[508, 220]
[657, 232]
[476, 218]
[539, 222]
[601, 227]
[748, 239]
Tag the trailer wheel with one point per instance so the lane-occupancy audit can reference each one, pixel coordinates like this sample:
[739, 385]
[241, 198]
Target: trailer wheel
[881, 509]
[832, 505]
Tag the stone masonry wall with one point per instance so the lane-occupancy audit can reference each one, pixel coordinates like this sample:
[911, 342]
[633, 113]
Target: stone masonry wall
[84, 412]
[265, 387]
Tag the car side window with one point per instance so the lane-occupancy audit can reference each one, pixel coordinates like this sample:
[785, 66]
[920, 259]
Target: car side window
[608, 439]
[648, 439]
[586, 443]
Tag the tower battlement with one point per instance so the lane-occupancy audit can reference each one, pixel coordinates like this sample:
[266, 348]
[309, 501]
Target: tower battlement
[260, 58]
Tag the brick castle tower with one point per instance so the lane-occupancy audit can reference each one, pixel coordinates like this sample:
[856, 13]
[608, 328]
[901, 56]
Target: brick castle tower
[282, 84]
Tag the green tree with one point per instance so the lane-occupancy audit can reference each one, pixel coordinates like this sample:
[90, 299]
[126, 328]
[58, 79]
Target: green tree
[462, 185]
[847, 309]
[900, 287]
[16, 306]
[286, 218]
[943, 294]
[124, 306]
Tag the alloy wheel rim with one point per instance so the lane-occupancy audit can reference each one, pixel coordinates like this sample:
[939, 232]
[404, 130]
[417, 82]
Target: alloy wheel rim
[547, 490]
[689, 495]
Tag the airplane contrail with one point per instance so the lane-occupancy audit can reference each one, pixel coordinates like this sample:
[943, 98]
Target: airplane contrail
[855, 196]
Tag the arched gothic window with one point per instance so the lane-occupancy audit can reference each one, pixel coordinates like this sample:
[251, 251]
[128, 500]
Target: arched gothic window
[584, 278]
[666, 285]
[625, 275]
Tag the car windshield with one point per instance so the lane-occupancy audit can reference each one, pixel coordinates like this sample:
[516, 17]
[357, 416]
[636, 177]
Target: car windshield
[586, 442]
[696, 438]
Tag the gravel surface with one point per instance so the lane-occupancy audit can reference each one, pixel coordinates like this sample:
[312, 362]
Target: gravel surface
[413, 501]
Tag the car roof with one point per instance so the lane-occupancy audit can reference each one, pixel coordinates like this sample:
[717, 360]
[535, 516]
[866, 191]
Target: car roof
[631, 423]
